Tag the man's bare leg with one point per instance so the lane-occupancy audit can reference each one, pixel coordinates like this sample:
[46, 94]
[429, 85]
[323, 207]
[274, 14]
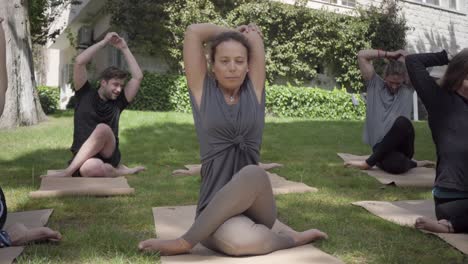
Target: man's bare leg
[21, 235]
[97, 168]
[101, 141]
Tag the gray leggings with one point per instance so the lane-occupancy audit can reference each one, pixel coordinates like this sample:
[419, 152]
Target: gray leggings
[239, 218]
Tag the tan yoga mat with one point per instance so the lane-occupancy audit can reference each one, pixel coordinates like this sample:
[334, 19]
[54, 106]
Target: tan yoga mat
[172, 222]
[282, 186]
[416, 177]
[79, 186]
[194, 169]
[279, 184]
[30, 219]
[406, 212]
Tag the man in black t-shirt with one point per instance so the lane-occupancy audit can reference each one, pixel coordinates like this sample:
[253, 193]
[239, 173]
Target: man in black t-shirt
[95, 145]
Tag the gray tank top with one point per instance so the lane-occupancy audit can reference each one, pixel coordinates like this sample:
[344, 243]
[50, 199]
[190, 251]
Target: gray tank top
[229, 135]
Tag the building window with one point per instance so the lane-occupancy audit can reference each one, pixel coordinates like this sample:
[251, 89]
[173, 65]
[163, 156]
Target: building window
[350, 3]
[433, 2]
[453, 4]
[115, 58]
[449, 4]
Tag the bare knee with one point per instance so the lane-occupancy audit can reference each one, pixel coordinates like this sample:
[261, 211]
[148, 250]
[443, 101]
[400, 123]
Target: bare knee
[103, 130]
[96, 168]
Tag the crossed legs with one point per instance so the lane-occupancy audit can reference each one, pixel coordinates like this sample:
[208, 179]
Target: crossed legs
[101, 142]
[245, 207]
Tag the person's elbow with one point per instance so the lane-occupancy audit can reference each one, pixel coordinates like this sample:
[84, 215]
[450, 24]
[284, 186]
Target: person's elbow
[138, 76]
[79, 61]
[361, 54]
[191, 30]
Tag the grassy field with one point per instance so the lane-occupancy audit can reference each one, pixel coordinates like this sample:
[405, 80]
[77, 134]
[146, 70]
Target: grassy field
[107, 230]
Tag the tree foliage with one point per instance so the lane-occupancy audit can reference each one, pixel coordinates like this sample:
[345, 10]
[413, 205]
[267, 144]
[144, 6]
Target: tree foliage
[42, 14]
[300, 42]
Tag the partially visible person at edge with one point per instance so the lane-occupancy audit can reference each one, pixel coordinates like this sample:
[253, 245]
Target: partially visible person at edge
[447, 108]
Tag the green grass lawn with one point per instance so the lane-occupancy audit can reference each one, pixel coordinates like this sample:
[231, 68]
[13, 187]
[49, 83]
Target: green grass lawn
[107, 230]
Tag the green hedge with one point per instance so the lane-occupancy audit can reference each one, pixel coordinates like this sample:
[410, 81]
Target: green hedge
[49, 98]
[162, 92]
[170, 93]
[290, 101]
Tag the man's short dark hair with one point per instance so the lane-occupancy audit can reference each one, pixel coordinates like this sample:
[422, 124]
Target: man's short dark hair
[113, 73]
[395, 67]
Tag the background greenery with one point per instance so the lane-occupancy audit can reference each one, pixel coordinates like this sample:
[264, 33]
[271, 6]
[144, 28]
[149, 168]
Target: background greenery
[49, 98]
[300, 42]
[161, 92]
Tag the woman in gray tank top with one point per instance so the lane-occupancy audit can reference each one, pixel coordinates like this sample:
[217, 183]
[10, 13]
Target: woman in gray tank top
[236, 208]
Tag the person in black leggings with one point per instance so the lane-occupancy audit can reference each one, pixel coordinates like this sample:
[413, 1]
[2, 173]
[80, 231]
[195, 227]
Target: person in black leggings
[447, 107]
[388, 129]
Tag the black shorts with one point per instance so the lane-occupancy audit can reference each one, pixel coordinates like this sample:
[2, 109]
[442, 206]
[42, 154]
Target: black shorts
[113, 160]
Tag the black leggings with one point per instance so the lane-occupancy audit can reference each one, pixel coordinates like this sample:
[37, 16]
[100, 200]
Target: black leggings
[3, 209]
[395, 152]
[454, 210]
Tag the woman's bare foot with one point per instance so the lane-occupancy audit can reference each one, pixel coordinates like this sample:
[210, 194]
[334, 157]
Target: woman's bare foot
[58, 173]
[124, 170]
[305, 237]
[165, 247]
[21, 235]
[362, 165]
[441, 226]
[425, 163]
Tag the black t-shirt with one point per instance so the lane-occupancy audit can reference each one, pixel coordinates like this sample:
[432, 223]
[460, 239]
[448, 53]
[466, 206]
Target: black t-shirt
[91, 110]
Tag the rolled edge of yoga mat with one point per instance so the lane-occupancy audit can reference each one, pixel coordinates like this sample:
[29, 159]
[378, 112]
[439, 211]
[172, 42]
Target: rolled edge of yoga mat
[84, 192]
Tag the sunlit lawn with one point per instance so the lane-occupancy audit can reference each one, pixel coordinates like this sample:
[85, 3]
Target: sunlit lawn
[107, 230]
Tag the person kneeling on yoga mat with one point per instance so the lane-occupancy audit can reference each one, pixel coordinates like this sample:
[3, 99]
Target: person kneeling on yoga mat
[95, 145]
[236, 208]
[18, 234]
[447, 108]
[388, 129]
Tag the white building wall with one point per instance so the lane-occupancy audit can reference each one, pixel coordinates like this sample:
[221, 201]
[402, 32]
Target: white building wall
[52, 67]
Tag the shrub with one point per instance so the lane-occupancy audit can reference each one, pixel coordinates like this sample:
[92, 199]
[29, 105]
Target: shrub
[290, 101]
[162, 92]
[49, 98]
[170, 93]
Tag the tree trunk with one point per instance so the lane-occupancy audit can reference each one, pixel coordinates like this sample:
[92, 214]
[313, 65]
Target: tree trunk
[22, 106]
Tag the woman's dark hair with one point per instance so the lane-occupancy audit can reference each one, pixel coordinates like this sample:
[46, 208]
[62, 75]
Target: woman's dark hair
[456, 72]
[228, 36]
